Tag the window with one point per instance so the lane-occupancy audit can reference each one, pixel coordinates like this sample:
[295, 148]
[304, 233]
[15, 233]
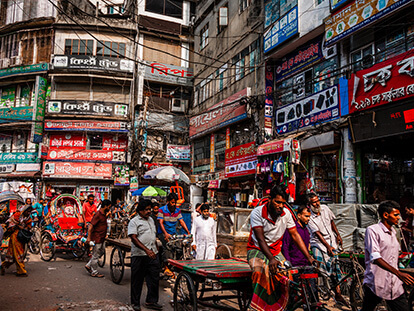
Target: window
[220, 74]
[172, 8]
[204, 37]
[245, 62]
[115, 9]
[222, 18]
[78, 47]
[202, 148]
[243, 4]
[110, 49]
[11, 45]
[205, 88]
[362, 58]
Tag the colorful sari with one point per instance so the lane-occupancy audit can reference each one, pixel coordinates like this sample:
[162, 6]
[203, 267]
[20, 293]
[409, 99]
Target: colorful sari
[270, 292]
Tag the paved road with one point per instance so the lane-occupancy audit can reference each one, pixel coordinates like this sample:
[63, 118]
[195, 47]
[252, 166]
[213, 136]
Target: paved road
[63, 284]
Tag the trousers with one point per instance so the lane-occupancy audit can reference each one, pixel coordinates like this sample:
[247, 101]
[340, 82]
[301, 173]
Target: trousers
[144, 268]
[371, 301]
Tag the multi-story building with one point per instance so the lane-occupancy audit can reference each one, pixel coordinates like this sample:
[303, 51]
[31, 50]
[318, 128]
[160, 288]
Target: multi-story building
[228, 99]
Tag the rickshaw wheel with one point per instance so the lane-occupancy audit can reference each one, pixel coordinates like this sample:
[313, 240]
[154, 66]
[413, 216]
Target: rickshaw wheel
[244, 298]
[47, 247]
[102, 259]
[223, 252]
[184, 293]
[117, 265]
[77, 251]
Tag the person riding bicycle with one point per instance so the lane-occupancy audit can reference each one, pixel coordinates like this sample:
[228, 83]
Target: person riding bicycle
[325, 240]
[382, 278]
[269, 222]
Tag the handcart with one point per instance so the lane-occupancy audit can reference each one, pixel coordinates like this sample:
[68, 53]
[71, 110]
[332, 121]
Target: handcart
[199, 280]
[118, 258]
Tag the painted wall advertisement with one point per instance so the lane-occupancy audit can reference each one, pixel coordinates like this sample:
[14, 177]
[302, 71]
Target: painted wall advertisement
[179, 153]
[85, 155]
[159, 72]
[317, 108]
[268, 117]
[84, 107]
[220, 115]
[356, 15]
[77, 170]
[97, 126]
[36, 135]
[93, 62]
[384, 83]
[121, 175]
[241, 160]
[282, 30]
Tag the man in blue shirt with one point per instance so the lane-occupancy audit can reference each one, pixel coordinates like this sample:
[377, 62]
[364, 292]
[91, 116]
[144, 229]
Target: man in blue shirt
[38, 209]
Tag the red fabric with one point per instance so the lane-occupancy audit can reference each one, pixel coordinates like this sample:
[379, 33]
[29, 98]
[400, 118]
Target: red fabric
[89, 211]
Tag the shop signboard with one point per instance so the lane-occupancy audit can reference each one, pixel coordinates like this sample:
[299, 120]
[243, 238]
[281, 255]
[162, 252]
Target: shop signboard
[212, 152]
[16, 114]
[384, 83]
[27, 167]
[7, 168]
[93, 63]
[241, 160]
[77, 170]
[317, 108]
[275, 146]
[282, 30]
[220, 115]
[163, 73]
[13, 71]
[179, 153]
[268, 117]
[39, 107]
[62, 141]
[95, 126]
[306, 55]
[337, 3]
[133, 183]
[356, 15]
[389, 121]
[113, 142]
[85, 107]
[18, 157]
[121, 175]
[85, 155]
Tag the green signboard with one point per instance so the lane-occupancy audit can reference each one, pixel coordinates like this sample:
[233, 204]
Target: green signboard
[16, 114]
[18, 157]
[39, 110]
[7, 72]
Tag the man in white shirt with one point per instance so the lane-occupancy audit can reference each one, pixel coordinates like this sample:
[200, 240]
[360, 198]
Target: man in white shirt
[204, 235]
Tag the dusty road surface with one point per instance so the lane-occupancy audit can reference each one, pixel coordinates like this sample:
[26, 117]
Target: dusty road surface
[63, 284]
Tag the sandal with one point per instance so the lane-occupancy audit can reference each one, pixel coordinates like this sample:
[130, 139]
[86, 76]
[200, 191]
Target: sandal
[97, 275]
[89, 269]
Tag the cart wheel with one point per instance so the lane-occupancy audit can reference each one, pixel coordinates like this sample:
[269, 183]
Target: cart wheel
[244, 298]
[34, 244]
[102, 259]
[200, 287]
[117, 265]
[184, 293]
[77, 250]
[223, 252]
[47, 247]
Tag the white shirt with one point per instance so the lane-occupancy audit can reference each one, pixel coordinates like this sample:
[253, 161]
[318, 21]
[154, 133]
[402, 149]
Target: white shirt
[323, 224]
[204, 231]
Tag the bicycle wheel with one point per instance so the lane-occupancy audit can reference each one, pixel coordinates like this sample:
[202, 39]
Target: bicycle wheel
[47, 247]
[102, 259]
[77, 250]
[34, 244]
[184, 293]
[117, 265]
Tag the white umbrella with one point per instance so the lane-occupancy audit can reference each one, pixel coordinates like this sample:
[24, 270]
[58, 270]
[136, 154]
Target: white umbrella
[169, 173]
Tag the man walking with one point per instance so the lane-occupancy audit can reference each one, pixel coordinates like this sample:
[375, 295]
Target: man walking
[204, 235]
[144, 259]
[89, 209]
[382, 278]
[325, 239]
[97, 232]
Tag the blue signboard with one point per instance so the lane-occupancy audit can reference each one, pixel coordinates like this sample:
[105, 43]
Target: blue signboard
[281, 30]
[337, 3]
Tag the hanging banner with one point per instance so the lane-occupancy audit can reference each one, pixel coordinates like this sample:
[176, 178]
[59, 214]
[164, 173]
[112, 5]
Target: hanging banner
[36, 135]
[85, 107]
[67, 141]
[97, 126]
[317, 108]
[77, 170]
[384, 83]
[356, 15]
[241, 160]
[85, 155]
[121, 175]
[179, 153]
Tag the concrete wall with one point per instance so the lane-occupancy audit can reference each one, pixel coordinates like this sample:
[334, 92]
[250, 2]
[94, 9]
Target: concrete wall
[23, 10]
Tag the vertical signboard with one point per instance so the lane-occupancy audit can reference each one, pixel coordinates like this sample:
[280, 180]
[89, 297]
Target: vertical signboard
[212, 153]
[269, 103]
[227, 138]
[39, 110]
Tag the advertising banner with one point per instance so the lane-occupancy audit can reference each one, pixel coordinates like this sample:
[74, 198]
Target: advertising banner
[133, 183]
[356, 15]
[85, 155]
[18, 157]
[220, 115]
[68, 141]
[241, 160]
[384, 83]
[159, 72]
[84, 107]
[282, 30]
[13, 71]
[16, 114]
[93, 62]
[36, 135]
[77, 170]
[121, 175]
[179, 153]
[319, 107]
[96, 126]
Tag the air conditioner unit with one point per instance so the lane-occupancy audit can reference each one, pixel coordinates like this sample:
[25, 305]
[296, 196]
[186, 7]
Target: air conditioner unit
[178, 105]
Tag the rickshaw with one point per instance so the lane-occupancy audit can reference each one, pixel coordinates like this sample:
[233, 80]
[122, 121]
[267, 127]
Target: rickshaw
[64, 228]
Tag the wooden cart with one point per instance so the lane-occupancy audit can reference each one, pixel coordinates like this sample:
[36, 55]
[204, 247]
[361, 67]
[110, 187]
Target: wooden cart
[199, 279]
[119, 259]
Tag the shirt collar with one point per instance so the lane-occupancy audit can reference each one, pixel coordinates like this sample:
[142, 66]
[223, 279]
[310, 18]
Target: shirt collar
[385, 229]
[265, 213]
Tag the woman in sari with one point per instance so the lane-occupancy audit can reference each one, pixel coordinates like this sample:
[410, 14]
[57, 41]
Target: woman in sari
[15, 252]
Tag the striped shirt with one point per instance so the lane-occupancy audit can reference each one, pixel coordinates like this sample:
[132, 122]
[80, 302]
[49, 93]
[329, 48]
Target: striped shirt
[170, 219]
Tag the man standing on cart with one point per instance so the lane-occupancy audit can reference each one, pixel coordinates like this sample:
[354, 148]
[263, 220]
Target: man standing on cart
[269, 222]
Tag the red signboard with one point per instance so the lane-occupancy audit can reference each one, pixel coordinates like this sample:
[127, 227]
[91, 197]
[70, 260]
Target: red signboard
[274, 147]
[80, 155]
[86, 125]
[386, 82]
[241, 160]
[111, 142]
[67, 141]
[220, 115]
[77, 170]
